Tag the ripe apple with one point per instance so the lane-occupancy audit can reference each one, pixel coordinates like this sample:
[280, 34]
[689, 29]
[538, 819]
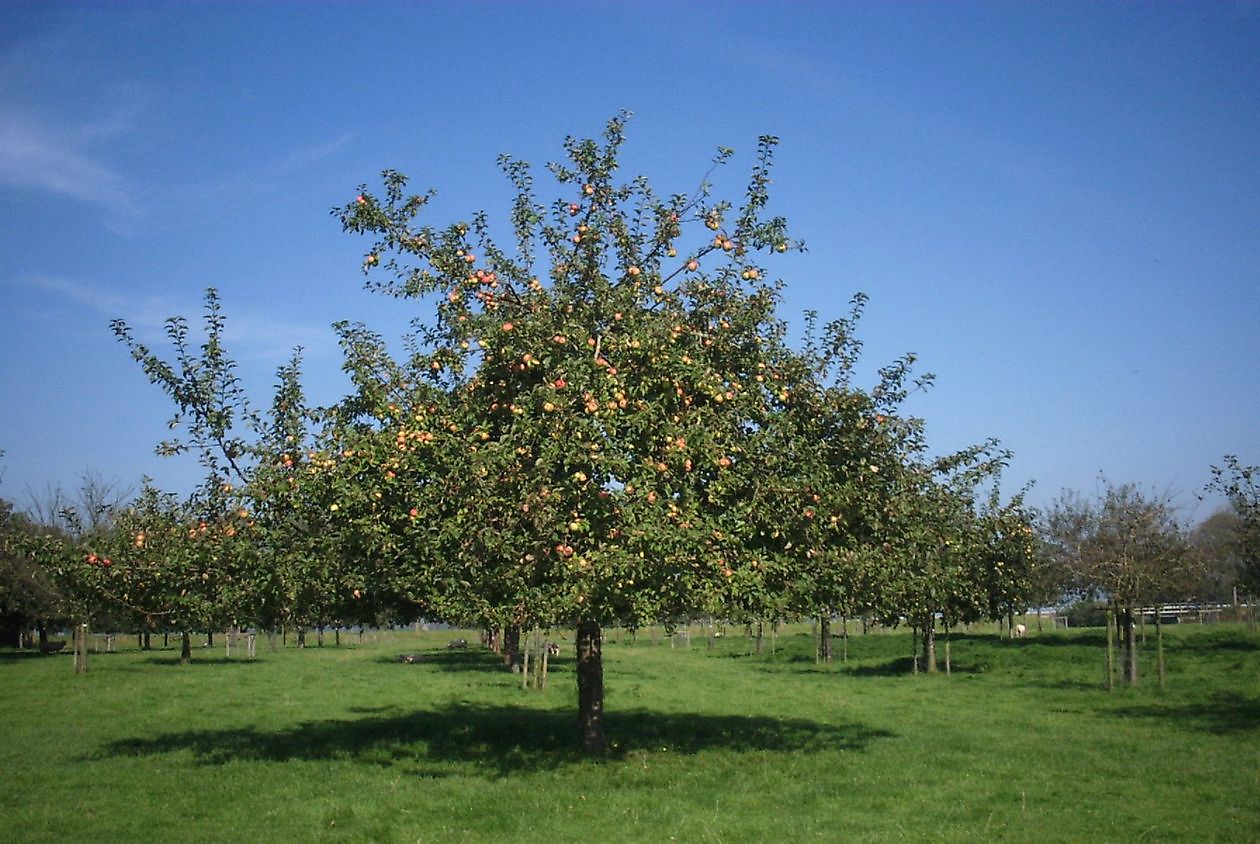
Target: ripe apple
[693, 265]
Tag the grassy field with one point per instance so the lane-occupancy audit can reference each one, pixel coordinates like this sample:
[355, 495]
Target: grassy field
[345, 744]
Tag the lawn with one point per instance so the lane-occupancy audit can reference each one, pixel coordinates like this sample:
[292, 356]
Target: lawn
[716, 743]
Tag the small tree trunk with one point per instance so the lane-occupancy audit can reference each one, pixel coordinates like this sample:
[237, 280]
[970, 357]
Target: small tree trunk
[185, 647]
[1130, 643]
[209, 638]
[148, 642]
[512, 647]
[824, 638]
[760, 634]
[844, 639]
[948, 655]
[525, 668]
[337, 637]
[319, 636]
[1159, 646]
[80, 649]
[914, 648]
[1110, 652]
[301, 637]
[929, 645]
[590, 679]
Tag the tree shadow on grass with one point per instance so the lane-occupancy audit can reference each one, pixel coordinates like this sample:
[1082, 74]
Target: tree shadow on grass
[14, 655]
[202, 660]
[451, 660]
[497, 740]
[1224, 713]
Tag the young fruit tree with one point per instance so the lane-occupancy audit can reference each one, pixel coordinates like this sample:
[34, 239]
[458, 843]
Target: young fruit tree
[1127, 548]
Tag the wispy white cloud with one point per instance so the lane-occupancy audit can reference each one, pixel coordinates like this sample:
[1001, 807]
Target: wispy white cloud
[252, 336]
[35, 157]
[300, 159]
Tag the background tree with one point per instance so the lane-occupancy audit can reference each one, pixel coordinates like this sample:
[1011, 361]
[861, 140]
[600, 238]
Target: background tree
[213, 575]
[30, 599]
[1219, 540]
[1127, 548]
[1241, 485]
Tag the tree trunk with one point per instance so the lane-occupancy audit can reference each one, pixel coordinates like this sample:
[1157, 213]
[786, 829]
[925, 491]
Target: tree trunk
[929, 645]
[80, 649]
[1111, 629]
[590, 679]
[209, 638]
[525, 667]
[824, 639]
[512, 647]
[914, 648]
[148, 641]
[1159, 645]
[301, 637]
[948, 656]
[1130, 646]
[844, 639]
[185, 648]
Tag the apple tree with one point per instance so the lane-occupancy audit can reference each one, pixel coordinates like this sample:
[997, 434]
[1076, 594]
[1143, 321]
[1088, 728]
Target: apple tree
[601, 367]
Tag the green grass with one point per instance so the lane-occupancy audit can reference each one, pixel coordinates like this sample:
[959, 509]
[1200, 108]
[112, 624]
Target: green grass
[345, 744]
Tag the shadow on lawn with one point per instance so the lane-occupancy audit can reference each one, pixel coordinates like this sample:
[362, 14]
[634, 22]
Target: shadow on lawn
[473, 659]
[499, 739]
[13, 655]
[1222, 714]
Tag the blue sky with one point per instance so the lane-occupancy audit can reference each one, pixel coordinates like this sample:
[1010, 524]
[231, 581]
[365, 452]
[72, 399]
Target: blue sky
[1055, 205]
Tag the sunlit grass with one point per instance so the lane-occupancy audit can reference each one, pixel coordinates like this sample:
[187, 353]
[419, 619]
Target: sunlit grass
[709, 744]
